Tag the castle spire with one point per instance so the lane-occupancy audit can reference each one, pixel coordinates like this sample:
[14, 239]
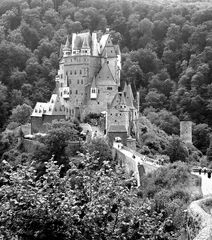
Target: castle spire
[67, 44]
[66, 48]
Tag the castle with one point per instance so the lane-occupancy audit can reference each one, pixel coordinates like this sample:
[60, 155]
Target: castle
[87, 82]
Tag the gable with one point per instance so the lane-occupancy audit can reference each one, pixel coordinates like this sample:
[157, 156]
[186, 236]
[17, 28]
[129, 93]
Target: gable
[105, 77]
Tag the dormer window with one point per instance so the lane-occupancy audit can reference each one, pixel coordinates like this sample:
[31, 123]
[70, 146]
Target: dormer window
[39, 111]
[93, 90]
[55, 109]
[36, 110]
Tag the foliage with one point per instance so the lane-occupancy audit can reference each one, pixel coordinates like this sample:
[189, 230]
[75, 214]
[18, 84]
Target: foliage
[201, 137]
[167, 51]
[21, 114]
[177, 150]
[81, 205]
[101, 150]
[152, 139]
[57, 142]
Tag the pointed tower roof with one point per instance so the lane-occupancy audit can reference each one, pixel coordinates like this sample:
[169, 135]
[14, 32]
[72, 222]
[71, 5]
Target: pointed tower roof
[129, 95]
[85, 44]
[67, 44]
[118, 100]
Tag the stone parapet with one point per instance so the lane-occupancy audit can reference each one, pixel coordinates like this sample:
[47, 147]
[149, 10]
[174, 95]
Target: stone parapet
[202, 218]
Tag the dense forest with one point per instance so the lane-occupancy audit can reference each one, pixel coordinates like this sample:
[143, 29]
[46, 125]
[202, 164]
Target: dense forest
[53, 192]
[166, 53]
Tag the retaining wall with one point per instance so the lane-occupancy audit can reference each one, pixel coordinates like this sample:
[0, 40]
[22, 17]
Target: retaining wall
[202, 220]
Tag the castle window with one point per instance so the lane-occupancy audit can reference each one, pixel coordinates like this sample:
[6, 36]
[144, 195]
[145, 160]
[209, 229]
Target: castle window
[55, 109]
[61, 94]
[70, 72]
[78, 81]
[109, 88]
[120, 114]
[70, 92]
[116, 114]
[93, 90]
[111, 51]
[60, 109]
[52, 101]
[66, 109]
[81, 81]
[111, 114]
[61, 84]
[75, 72]
[98, 102]
[115, 120]
[80, 71]
[39, 111]
[107, 61]
[76, 91]
[69, 81]
[36, 110]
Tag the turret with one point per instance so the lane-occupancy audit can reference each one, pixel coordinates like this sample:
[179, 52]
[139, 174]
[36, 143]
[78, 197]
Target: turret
[66, 48]
[85, 50]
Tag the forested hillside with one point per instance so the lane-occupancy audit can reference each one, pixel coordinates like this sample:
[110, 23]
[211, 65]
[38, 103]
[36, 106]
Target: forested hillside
[166, 52]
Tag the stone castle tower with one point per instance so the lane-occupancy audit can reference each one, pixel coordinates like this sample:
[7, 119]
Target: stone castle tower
[89, 74]
[87, 82]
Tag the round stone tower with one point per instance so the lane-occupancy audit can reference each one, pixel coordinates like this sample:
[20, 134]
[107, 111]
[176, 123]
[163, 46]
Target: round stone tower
[186, 131]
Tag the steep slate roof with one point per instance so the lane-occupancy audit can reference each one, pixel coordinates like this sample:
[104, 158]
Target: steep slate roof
[118, 100]
[103, 42]
[109, 52]
[79, 39]
[39, 109]
[129, 95]
[53, 107]
[67, 44]
[93, 84]
[105, 77]
[117, 49]
[117, 128]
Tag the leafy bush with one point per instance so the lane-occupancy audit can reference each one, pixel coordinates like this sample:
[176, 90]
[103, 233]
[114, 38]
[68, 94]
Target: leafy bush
[84, 204]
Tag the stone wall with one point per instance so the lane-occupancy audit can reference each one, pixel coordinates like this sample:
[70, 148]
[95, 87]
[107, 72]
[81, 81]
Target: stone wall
[132, 162]
[37, 123]
[186, 131]
[202, 229]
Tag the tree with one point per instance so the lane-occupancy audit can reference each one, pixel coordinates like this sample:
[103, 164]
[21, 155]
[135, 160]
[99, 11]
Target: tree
[101, 151]
[201, 137]
[177, 150]
[84, 204]
[21, 114]
[209, 151]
